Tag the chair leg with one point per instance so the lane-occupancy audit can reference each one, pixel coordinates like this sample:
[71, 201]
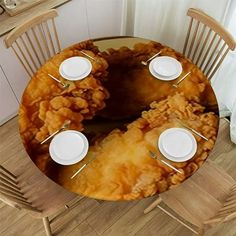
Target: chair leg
[153, 205]
[201, 232]
[47, 226]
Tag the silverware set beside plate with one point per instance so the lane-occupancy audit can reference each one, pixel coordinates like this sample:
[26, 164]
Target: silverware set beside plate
[80, 67]
[154, 156]
[172, 139]
[64, 126]
[54, 144]
[163, 61]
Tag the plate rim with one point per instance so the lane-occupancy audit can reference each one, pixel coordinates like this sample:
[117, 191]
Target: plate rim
[78, 158]
[166, 58]
[165, 78]
[75, 78]
[172, 158]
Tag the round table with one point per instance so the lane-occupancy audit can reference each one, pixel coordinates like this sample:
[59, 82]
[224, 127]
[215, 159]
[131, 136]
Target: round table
[122, 110]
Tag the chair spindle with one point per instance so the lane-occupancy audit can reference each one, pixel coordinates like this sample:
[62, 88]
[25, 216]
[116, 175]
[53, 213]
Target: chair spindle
[199, 42]
[29, 53]
[50, 38]
[204, 45]
[43, 38]
[38, 43]
[208, 50]
[56, 35]
[216, 59]
[209, 62]
[193, 39]
[33, 48]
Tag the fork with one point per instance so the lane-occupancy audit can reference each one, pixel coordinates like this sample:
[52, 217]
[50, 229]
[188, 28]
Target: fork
[154, 156]
[146, 62]
[60, 82]
[64, 126]
[176, 84]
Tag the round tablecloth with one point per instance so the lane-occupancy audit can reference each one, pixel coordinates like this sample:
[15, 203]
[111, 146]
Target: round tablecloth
[122, 109]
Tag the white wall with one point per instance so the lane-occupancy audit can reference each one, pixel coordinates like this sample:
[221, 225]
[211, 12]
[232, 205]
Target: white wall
[86, 19]
[9, 104]
[165, 20]
[72, 23]
[104, 17]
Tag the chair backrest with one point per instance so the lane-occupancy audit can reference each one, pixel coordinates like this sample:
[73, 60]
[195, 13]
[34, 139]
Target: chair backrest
[11, 193]
[227, 211]
[35, 41]
[207, 42]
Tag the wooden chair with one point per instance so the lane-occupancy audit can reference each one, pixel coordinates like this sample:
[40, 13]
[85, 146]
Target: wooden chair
[207, 42]
[30, 190]
[206, 198]
[35, 41]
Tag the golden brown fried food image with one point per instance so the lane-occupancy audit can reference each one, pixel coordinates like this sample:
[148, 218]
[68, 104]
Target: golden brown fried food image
[132, 87]
[122, 168]
[118, 87]
[46, 106]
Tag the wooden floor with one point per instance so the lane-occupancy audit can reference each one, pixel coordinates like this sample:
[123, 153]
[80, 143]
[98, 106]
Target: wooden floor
[95, 218]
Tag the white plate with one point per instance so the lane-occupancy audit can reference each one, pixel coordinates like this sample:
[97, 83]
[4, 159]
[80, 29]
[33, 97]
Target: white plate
[75, 68]
[165, 68]
[68, 147]
[177, 144]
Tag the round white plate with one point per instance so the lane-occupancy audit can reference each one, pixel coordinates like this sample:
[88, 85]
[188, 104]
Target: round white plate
[177, 144]
[68, 147]
[75, 68]
[165, 68]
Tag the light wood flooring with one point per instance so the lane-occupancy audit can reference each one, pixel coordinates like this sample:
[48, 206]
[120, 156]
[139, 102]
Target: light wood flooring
[96, 218]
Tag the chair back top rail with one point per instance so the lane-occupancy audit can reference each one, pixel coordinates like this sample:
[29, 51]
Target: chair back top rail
[35, 41]
[15, 33]
[214, 25]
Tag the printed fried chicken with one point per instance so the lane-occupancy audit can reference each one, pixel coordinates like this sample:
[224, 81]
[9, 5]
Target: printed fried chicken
[122, 168]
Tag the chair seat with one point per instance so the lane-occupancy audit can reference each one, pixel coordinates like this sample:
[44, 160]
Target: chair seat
[200, 197]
